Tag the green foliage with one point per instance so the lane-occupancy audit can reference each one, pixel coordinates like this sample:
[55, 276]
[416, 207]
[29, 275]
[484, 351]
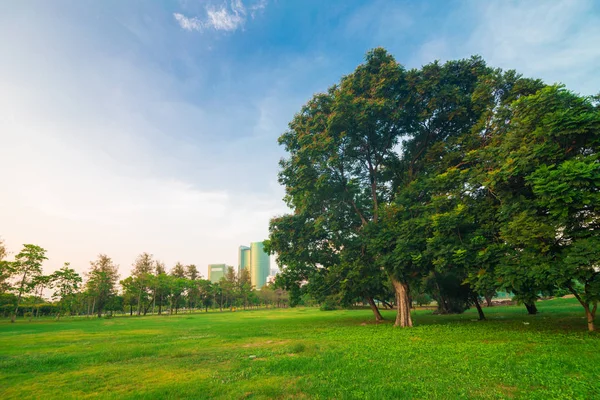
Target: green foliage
[101, 282]
[453, 172]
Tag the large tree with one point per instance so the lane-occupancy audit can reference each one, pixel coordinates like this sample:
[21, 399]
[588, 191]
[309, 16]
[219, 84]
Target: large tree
[340, 147]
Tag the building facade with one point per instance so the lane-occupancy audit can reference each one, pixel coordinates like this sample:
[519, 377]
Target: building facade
[260, 265]
[243, 258]
[216, 272]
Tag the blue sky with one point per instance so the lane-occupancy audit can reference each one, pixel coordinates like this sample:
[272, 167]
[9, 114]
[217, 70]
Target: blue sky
[131, 126]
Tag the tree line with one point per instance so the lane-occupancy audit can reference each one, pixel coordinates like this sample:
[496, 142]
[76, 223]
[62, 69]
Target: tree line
[454, 180]
[149, 289]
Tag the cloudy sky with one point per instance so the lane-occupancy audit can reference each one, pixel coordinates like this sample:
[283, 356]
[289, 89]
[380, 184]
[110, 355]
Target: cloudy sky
[131, 126]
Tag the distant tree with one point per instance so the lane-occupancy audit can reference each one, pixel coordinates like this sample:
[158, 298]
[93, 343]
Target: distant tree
[28, 265]
[40, 283]
[245, 286]
[177, 286]
[142, 275]
[6, 269]
[66, 282]
[206, 293]
[192, 290]
[102, 279]
[130, 293]
[178, 270]
[191, 272]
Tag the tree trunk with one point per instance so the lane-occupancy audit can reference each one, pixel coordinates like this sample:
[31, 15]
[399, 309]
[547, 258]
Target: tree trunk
[591, 314]
[374, 308]
[479, 310]
[20, 293]
[488, 301]
[139, 304]
[531, 308]
[153, 300]
[442, 304]
[130, 309]
[403, 318]
[387, 305]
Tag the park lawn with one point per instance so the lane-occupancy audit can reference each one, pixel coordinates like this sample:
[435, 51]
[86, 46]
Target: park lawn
[305, 353]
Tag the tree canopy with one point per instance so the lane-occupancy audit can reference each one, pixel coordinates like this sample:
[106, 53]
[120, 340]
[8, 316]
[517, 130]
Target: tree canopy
[457, 178]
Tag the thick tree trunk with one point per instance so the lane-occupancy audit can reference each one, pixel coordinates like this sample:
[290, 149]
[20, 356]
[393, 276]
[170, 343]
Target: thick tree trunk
[479, 310]
[403, 318]
[374, 308]
[531, 308]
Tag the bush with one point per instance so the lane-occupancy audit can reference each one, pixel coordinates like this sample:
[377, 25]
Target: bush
[329, 305]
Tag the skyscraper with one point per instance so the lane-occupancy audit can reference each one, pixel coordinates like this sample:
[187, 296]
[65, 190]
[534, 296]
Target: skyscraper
[260, 265]
[243, 258]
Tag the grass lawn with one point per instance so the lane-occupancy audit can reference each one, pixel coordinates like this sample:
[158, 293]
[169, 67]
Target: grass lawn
[305, 353]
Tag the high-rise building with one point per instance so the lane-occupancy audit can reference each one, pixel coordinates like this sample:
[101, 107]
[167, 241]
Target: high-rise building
[260, 265]
[243, 258]
[216, 272]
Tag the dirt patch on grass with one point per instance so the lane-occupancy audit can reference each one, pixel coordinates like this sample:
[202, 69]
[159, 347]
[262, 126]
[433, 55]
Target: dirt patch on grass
[508, 391]
[267, 343]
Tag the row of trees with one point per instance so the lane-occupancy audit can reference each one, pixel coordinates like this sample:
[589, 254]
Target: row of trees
[456, 180]
[149, 288]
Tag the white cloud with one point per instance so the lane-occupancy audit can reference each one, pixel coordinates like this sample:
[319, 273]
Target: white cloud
[227, 17]
[189, 24]
[224, 19]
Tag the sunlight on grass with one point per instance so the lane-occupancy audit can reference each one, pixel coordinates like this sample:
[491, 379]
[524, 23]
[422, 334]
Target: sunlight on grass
[304, 353]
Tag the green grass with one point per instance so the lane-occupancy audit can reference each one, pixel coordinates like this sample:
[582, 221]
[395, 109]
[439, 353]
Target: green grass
[304, 353]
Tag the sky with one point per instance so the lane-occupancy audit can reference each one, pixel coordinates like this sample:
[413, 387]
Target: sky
[137, 126]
